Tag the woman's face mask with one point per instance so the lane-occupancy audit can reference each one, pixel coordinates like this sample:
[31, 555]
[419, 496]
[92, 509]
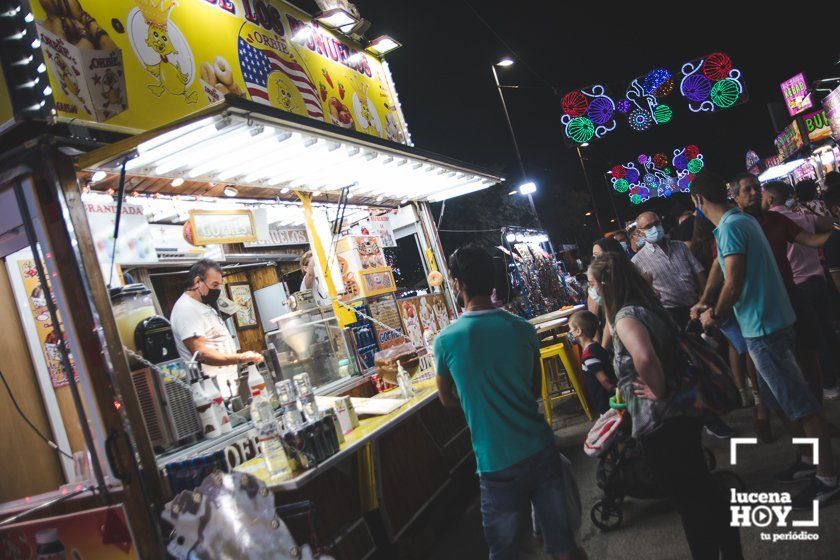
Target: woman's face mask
[594, 295]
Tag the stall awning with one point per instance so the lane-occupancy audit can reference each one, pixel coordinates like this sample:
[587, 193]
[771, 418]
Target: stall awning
[269, 153]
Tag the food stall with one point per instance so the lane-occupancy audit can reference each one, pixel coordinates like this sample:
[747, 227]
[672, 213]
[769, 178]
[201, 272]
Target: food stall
[134, 163]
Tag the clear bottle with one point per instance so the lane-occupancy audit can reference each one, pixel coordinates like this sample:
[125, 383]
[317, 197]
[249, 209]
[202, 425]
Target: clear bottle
[404, 382]
[210, 424]
[268, 435]
[256, 382]
[215, 395]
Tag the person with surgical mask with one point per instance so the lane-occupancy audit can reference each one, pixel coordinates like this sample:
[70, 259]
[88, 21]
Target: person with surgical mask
[197, 326]
[677, 276]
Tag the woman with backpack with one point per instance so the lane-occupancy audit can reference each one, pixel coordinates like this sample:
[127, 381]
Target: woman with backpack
[647, 364]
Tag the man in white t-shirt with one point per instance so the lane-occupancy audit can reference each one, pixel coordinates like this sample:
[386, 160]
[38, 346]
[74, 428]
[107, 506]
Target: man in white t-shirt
[198, 327]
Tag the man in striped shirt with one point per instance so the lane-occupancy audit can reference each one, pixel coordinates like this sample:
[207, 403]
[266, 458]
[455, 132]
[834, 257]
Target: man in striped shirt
[675, 273]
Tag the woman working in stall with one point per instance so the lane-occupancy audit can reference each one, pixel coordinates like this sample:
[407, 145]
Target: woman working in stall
[312, 282]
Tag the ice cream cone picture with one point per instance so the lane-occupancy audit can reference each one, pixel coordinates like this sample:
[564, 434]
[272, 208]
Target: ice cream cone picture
[162, 49]
[363, 106]
[66, 76]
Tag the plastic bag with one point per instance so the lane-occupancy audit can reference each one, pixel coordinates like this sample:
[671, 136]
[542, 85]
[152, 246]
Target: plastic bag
[386, 361]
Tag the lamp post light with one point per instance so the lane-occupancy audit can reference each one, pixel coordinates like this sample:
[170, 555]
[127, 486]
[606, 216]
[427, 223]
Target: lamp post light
[527, 187]
[589, 186]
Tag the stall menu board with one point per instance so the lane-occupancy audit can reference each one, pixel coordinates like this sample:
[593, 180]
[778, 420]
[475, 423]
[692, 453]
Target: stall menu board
[816, 124]
[380, 226]
[134, 244]
[789, 141]
[831, 106]
[37, 299]
[96, 534]
[140, 64]
[797, 95]
[384, 310]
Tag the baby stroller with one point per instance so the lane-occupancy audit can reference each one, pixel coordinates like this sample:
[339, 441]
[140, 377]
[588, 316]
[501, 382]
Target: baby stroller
[622, 471]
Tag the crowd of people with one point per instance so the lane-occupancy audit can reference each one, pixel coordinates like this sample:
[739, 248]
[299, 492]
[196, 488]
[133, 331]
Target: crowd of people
[744, 267]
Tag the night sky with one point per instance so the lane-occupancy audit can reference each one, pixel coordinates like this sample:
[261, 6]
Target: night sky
[451, 106]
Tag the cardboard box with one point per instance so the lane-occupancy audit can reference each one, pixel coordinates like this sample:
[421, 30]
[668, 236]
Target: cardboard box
[87, 82]
[360, 252]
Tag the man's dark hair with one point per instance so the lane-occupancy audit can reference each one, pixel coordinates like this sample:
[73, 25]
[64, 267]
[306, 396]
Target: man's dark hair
[736, 181]
[200, 269]
[831, 197]
[473, 266]
[779, 189]
[710, 186]
[806, 190]
[586, 321]
[832, 179]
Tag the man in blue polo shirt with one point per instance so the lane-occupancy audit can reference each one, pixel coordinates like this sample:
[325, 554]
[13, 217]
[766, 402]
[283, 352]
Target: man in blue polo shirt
[489, 361]
[753, 288]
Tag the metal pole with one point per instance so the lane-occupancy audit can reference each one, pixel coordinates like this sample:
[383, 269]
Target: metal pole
[612, 200]
[591, 194]
[515, 143]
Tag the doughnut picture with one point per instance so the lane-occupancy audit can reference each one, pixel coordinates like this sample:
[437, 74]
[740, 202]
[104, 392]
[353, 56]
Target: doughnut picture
[217, 79]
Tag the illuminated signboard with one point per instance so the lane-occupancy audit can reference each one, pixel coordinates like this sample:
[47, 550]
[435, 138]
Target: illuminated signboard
[831, 107]
[816, 125]
[797, 95]
[789, 141]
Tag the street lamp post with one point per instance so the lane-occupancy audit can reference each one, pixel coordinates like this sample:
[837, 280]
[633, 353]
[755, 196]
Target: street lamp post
[505, 63]
[589, 187]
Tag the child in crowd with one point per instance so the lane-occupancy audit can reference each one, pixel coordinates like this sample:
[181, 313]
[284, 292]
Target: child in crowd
[597, 368]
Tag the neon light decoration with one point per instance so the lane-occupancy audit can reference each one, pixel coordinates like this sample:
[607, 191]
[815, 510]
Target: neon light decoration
[623, 106]
[657, 175]
[712, 83]
[641, 100]
[588, 113]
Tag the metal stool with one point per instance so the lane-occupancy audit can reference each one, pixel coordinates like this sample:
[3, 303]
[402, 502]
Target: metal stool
[559, 363]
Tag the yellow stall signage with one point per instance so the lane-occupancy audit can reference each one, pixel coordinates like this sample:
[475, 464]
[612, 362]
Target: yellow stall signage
[139, 64]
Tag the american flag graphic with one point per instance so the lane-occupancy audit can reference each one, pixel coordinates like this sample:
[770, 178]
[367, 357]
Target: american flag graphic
[257, 64]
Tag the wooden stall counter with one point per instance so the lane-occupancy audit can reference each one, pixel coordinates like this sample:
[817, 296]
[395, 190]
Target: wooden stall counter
[391, 468]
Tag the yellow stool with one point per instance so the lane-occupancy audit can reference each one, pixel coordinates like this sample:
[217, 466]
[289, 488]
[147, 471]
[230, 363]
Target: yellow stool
[555, 361]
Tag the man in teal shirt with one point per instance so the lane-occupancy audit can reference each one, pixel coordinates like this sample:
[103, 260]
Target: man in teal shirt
[752, 287]
[489, 361]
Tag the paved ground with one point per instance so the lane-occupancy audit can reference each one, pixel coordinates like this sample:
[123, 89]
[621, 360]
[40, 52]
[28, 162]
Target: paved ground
[652, 529]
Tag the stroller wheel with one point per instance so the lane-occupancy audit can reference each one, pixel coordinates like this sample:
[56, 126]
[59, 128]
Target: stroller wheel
[606, 515]
[727, 480]
[711, 461]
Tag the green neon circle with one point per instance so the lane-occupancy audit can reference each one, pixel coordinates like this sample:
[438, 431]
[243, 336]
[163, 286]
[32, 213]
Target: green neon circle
[662, 114]
[621, 185]
[636, 199]
[695, 165]
[580, 129]
[725, 93]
